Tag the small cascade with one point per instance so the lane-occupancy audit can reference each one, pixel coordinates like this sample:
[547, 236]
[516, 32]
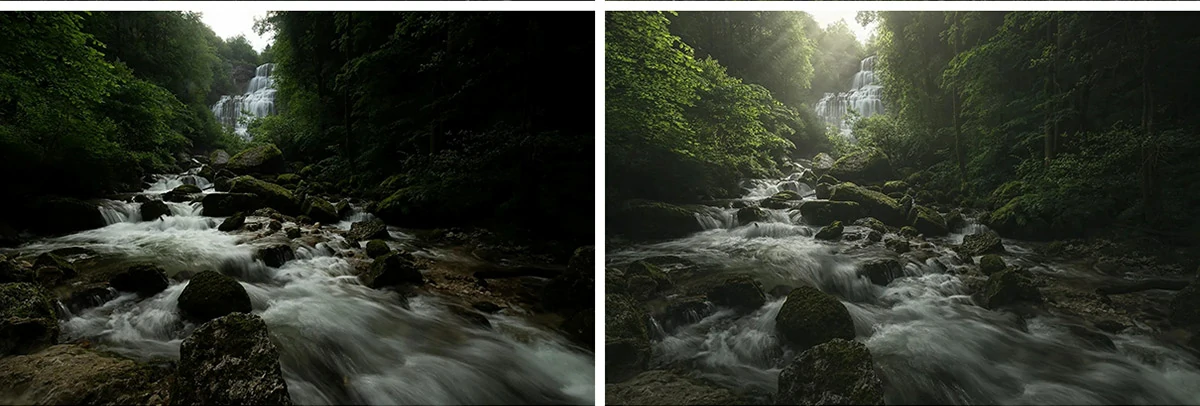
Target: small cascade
[864, 97]
[121, 212]
[235, 111]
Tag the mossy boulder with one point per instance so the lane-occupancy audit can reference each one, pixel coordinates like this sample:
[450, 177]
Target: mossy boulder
[230, 361]
[661, 387]
[685, 310]
[955, 220]
[661, 280]
[867, 165]
[1020, 218]
[70, 374]
[895, 186]
[144, 279]
[228, 204]
[740, 292]
[1008, 287]
[881, 271]
[928, 221]
[392, 269]
[991, 264]
[186, 189]
[831, 232]
[367, 230]
[275, 196]
[899, 245]
[292, 232]
[871, 223]
[810, 317]
[823, 190]
[219, 158]
[650, 220]
[747, 215]
[13, 271]
[821, 163]
[320, 210]
[52, 260]
[288, 179]
[153, 209]
[258, 159]
[837, 372]
[28, 318]
[980, 243]
[816, 212]
[377, 248]
[781, 200]
[63, 215]
[626, 339]
[209, 295]
[874, 204]
[233, 223]
[275, 255]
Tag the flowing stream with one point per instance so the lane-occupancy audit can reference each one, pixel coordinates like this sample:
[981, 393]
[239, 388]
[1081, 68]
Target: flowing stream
[340, 342]
[930, 342]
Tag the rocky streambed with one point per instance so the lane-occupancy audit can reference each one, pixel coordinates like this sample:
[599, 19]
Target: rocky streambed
[834, 285]
[263, 287]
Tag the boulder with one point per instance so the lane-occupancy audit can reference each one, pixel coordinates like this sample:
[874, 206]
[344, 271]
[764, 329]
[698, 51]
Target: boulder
[218, 158]
[377, 248]
[51, 260]
[288, 179]
[781, 200]
[392, 269]
[1019, 218]
[186, 189]
[659, 387]
[28, 318]
[64, 215]
[823, 190]
[293, 232]
[831, 232]
[228, 204]
[209, 295]
[259, 159]
[320, 210]
[88, 296]
[991, 264]
[230, 361]
[817, 212]
[1007, 287]
[649, 220]
[232, 223]
[810, 317]
[837, 372]
[70, 374]
[740, 292]
[144, 279]
[222, 184]
[928, 221]
[276, 255]
[908, 232]
[641, 287]
[644, 268]
[747, 215]
[955, 220]
[153, 209]
[899, 245]
[367, 230]
[821, 163]
[874, 204]
[272, 195]
[881, 271]
[13, 271]
[626, 339]
[871, 223]
[413, 207]
[683, 311]
[981, 242]
[867, 165]
[895, 186]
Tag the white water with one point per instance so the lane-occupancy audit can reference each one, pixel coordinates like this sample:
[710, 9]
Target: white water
[235, 111]
[864, 97]
[339, 341]
[930, 342]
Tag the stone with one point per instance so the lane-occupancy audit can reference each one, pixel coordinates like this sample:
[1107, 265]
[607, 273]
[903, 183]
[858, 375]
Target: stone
[662, 281]
[51, 260]
[650, 220]
[230, 361]
[928, 221]
[661, 387]
[749, 215]
[781, 200]
[28, 318]
[69, 374]
[228, 204]
[276, 255]
[233, 223]
[293, 232]
[810, 317]
[823, 190]
[320, 210]
[739, 292]
[626, 339]
[898, 245]
[881, 271]
[274, 196]
[367, 230]
[153, 209]
[219, 158]
[1008, 287]
[874, 204]
[259, 159]
[991, 264]
[64, 215]
[831, 232]
[377, 248]
[895, 186]
[837, 372]
[980, 243]
[144, 279]
[867, 165]
[209, 295]
[820, 212]
[393, 269]
[574, 289]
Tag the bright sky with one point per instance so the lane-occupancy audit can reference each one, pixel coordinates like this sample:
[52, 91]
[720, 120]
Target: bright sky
[828, 17]
[228, 20]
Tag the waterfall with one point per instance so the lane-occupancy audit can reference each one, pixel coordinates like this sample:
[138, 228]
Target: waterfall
[865, 97]
[258, 101]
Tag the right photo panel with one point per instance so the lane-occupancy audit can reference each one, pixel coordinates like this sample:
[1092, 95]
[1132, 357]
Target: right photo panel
[897, 207]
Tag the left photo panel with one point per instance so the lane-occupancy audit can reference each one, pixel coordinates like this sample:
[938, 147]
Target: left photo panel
[238, 206]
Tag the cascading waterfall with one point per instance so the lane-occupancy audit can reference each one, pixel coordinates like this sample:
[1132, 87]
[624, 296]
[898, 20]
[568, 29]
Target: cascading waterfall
[259, 101]
[865, 97]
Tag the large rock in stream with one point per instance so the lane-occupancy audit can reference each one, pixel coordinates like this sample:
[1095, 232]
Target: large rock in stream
[210, 295]
[320, 210]
[810, 317]
[228, 204]
[69, 374]
[257, 160]
[574, 289]
[145, 279]
[393, 269]
[275, 196]
[367, 230]
[1008, 287]
[868, 165]
[28, 319]
[230, 361]
[154, 209]
[928, 221]
[874, 204]
[648, 220]
[980, 243]
[668, 388]
[626, 338]
[837, 372]
[740, 292]
[821, 212]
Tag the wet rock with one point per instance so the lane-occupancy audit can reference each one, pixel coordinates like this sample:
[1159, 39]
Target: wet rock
[89, 296]
[991, 264]
[293, 232]
[626, 339]
[740, 292]
[1007, 287]
[377, 248]
[871, 223]
[233, 223]
[660, 387]
[259, 159]
[486, 306]
[908, 232]
[49, 276]
[288, 179]
[218, 158]
[817, 212]
[615, 281]
[230, 361]
[661, 280]
[209, 295]
[827, 179]
[320, 210]
[276, 255]
[144, 279]
[895, 186]
[831, 232]
[393, 269]
[683, 311]
[641, 287]
[367, 230]
[881, 271]
[228, 204]
[868, 165]
[64, 215]
[1021, 218]
[253, 227]
[749, 215]
[28, 319]
[343, 208]
[821, 163]
[275, 225]
[874, 204]
[272, 195]
[153, 209]
[471, 317]
[838, 372]
[649, 220]
[182, 193]
[810, 317]
[955, 220]
[981, 242]
[928, 221]
[898, 245]
[874, 236]
[781, 200]
[823, 190]
[51, 260]
[69, 374]
[574, 289]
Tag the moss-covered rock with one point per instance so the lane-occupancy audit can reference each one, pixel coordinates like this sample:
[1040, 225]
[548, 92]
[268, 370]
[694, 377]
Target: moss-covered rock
[52, 260]
[908, 232]
[747, 215]
[823, 190]
[410, 207]
[343, 208]
[230, 361]
[649, 220]
[228, 204]
[955, 220]
[258, 159]
[871, 223]
[293, 232]
[822, 163]
[781, 200]
[28, 319]
[810, 317]
[1008, 287]
[69, 374]
[868, 165]
[881, 271]
[273, 195]
[981, 242]
[153, 209]
[320, 210]
[662, 281]
[899, 245]
[928, 221]
[626, 339]
[831, 232]
[275, 255]
[895, 186]
[209, 295]
[368, 230]
[145, 279]
[1019, 218]
[288, 179]
[874, 204]
[739, 292]
[685, 310]
[377, 248]
[837, 372]
[186, 189]
[219, 158]
[817, 212]
[392, 269]
[232, 223]
[659, 387]
[991, 264]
